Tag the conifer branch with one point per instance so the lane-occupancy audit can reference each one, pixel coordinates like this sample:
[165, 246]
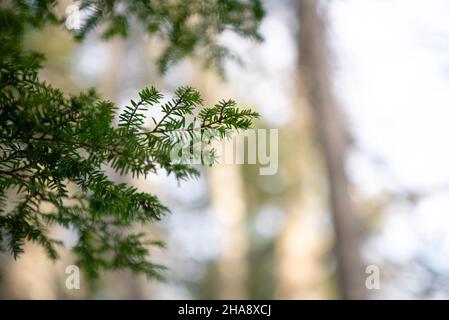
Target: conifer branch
[53, 145]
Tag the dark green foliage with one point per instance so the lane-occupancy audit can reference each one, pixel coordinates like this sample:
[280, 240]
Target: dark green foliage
[54, 148]
[184, 25]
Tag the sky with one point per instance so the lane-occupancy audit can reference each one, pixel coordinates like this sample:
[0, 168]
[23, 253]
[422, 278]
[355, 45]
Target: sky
[392, 77]
[393, 80]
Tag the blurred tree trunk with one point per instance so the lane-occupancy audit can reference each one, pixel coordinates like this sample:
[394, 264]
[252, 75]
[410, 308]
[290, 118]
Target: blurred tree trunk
[31, 276]
[316, 75]
[229, 204]
[303, 244]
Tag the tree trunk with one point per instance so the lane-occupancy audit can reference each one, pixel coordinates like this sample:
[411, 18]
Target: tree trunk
[304, 242]
[228, 202]
[316, 75]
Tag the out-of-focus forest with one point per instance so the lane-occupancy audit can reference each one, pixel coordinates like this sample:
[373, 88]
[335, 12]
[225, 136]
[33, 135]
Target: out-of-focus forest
[358, 91]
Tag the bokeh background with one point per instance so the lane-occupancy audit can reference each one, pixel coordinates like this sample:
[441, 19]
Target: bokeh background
[236, 234]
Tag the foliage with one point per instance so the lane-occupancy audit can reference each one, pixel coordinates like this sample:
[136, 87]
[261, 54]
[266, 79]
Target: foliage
[55, 148]
[185, 25]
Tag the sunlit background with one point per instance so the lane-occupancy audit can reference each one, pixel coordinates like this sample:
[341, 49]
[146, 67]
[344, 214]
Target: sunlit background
[237, 234]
